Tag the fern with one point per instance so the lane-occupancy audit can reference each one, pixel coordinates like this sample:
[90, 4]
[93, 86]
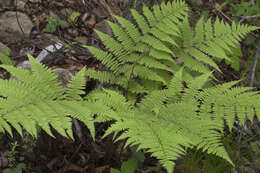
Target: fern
[35, 98]
[165, 121]
[141, 59]
[146, 51]
[140, 56]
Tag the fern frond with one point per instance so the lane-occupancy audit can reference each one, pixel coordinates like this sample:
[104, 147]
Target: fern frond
[129, 49]
[130, 28]
[155, 43]
[4, 59]
[146, 131]
[37, 99]
[141, 22]
[106, 58]
[145, 73]
[22, 74]
[210, 40]
[75, 87]
[121, 35]
[48, 81]
[114, 47]
[107, 77]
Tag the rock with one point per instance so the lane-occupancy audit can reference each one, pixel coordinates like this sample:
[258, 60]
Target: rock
[82, 40]
[198, 3]
[5, 3]
[64, 75]
[100, 13]
[10, 30]
[73, 32]
[67, 12]
[104, 27]
[91, 22]
[21, 4]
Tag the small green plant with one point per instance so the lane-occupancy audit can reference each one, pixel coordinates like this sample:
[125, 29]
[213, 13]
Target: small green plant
[15, 168]
[4, 56]
[197, 160]
[68, 47]
[74, 16]
[18, 169]
[54, 24]
[245, 8]
[127, 167]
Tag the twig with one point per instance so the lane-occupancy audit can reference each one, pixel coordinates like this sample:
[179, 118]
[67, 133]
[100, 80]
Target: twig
[78, 129]
[252, 2]
[103, 2]
[247, 17]
[252, 71]
[134, 4]
[222, 13]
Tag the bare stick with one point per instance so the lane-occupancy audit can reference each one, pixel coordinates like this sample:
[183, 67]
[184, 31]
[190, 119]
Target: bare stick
[252, 2]
[252, 71]
[247, 17]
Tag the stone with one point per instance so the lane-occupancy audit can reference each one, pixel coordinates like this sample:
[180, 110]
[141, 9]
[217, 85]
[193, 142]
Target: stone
[104, 27]
[10, 30]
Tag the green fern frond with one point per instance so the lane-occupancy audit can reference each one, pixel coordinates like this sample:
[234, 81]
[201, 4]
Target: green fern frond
[49, 83]
[146, 73]
[107, 77]
[106, 58]
[121, 35]
[188, 116]
[141, 22]
[128, 51]
[22, 74]
[76, 86]
[35, 98]
[115, 47]
[130, 28]
[210, 40]
[4, 59]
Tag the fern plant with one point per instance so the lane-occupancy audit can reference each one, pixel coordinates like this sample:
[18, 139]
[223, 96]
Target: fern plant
[141, 59]
[162, 123]
[35, 98]
[167, 121]
[143, 56]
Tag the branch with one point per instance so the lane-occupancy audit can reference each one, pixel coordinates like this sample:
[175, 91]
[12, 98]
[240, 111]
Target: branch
[252, 71]
[246, 17]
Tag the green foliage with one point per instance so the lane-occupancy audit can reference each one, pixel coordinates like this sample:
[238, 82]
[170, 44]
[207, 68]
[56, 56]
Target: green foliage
[127, 167]
[148, 51]
[197, 160]
[235, 56]
[245, 8]
[54, 23]
[35, 98]
[168, 119]
[73, 17]
[18, 169]
[14, 168]
[4, 56]
[173, 114]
